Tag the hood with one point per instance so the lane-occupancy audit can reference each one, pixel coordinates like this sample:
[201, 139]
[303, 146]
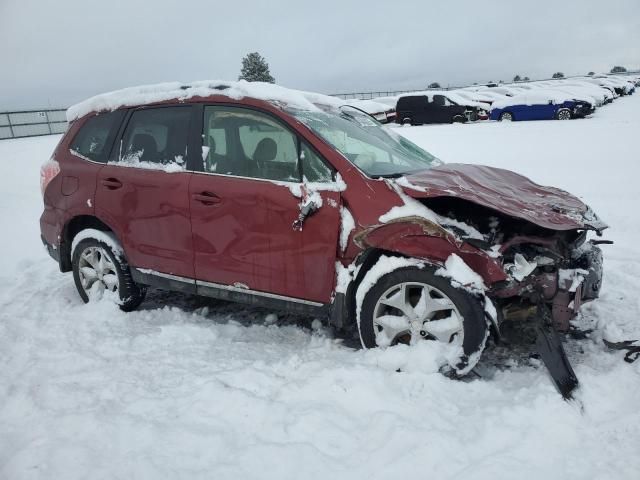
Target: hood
[506, 192]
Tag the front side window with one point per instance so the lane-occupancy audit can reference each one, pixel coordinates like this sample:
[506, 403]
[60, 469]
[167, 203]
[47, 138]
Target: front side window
[247, 143]
[313, 168]
[376, 150]
[94, 139]
[156, 138]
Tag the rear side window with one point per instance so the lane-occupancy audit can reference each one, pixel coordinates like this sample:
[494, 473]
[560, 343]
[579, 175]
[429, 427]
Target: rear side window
[409, 103]
[156, 136]
[94, 139]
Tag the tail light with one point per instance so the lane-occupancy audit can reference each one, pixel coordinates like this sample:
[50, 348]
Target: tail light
[48, 172]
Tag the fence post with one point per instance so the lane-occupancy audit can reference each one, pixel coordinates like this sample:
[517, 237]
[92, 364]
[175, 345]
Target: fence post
[46, 115]
[10, 126]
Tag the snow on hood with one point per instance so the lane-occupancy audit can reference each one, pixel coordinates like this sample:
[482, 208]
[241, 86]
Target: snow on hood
[506, 192]
[146, 94]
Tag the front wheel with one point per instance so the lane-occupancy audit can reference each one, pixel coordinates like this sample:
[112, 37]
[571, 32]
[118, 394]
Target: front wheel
[97, 269]
[564, 114]
[506, 117]
[414, 304]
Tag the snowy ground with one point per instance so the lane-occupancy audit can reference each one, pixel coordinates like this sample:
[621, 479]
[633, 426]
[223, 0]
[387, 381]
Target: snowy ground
[203, 389]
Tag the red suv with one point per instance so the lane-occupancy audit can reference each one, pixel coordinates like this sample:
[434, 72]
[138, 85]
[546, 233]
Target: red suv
[290, 200]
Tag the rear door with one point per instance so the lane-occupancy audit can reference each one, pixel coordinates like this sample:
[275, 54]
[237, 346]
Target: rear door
[443, 109]
[143, 191]
[244, 203]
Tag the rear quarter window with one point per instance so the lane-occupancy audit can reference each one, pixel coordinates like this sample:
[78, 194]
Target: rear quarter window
[95, 137]
[408, 103]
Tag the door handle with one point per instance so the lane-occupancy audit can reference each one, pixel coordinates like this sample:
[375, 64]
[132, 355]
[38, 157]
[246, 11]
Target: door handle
[111, 183]
[206, 198]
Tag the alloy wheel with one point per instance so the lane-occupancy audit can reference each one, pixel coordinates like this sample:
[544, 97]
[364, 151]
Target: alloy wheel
[410, 311]
[97, 272]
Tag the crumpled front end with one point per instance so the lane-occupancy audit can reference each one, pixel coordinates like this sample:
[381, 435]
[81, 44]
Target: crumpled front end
[540, 272]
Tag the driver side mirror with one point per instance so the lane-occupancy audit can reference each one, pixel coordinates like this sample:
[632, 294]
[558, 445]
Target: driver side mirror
[308, 208]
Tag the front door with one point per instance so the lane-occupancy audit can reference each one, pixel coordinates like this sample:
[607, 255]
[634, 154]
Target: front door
[143, 191]
[244, 203]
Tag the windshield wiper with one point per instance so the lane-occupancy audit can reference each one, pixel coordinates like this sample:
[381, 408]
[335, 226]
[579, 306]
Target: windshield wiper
[389, 175]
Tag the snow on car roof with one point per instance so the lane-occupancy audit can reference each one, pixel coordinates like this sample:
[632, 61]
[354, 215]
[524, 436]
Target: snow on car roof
[146, 94]
[369, 106]
[533, 97]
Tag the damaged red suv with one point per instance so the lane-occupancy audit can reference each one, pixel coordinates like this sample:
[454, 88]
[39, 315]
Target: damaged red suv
[291, 200]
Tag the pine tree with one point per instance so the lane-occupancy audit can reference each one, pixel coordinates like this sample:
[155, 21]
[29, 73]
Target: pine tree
[434, 85]
[618, 69]
[517, 78]
[591, 73]
[255, 69]
[558, 75]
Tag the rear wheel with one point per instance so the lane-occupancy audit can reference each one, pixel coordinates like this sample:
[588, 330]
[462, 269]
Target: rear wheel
[564, 114]
[459, 119]
[506, 117]
[407, 121]
[97, 269]
[413, 304]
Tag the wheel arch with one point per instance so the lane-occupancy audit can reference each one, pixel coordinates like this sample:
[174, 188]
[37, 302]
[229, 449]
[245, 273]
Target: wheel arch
[365, 261]
[71, 229]
[513, 117]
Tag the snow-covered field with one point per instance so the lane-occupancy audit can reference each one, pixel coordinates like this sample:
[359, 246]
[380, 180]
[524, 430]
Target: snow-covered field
[193, 388]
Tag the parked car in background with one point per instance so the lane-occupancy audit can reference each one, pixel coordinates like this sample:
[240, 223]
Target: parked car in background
[540, 105]
[617, 89]
[440, 107]
[601, 94]
[503, 90]
[380, 111]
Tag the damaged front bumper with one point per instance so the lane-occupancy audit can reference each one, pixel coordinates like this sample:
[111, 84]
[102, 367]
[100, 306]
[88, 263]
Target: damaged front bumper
[563, 291]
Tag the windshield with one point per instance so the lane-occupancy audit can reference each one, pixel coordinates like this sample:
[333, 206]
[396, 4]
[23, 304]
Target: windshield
[374, 149]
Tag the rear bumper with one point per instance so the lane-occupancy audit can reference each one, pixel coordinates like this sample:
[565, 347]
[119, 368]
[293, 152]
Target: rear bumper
[52, 250]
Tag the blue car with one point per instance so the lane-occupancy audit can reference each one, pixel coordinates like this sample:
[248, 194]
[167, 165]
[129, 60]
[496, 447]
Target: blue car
[539, 105]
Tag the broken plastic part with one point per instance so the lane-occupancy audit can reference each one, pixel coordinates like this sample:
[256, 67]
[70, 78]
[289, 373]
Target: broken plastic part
[307, 209]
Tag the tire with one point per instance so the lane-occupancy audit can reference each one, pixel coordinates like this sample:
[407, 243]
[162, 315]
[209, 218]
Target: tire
[111, 273]
[563, 114]
[472, 330]
[506, 117]
[459, 119]
[407, 121]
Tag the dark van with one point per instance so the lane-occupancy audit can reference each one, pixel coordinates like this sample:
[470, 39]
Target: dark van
[419, 109]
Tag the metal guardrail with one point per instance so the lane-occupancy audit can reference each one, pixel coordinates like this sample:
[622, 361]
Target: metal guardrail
[32, 123]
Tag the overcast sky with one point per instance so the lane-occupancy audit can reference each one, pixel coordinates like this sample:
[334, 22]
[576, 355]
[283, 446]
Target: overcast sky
[55, 53]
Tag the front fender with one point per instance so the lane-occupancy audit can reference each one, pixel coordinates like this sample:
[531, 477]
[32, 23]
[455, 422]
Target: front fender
[420, 238]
